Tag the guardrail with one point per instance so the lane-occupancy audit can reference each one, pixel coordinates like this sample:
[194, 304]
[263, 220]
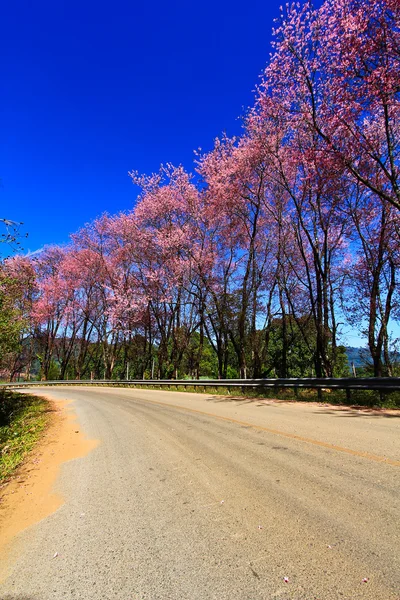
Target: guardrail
[345, 383]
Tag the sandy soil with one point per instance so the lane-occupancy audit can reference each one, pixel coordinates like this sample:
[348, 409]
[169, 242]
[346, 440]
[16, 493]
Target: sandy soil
[28, 497]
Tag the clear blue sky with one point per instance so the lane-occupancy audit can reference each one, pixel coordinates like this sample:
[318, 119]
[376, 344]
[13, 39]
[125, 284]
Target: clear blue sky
[91, 90]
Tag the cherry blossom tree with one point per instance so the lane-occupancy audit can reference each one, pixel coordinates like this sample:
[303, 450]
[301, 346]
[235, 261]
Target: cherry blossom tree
[372, 280]
[166, 220]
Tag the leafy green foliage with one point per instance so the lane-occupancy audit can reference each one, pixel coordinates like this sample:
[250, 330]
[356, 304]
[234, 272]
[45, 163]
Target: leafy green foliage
[22, 421]
[11, 323]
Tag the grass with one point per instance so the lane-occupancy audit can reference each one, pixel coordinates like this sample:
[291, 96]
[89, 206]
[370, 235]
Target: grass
[367, 398]
[23, 418]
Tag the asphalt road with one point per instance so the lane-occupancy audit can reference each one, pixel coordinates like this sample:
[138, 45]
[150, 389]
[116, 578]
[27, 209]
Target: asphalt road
[193, 497]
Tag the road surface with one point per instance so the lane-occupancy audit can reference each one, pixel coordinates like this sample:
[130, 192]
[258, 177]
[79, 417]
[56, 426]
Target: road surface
[192, 497]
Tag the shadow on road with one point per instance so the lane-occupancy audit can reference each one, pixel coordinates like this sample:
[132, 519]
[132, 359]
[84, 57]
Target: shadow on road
[230, 399]
[339, 410]
[359, 412]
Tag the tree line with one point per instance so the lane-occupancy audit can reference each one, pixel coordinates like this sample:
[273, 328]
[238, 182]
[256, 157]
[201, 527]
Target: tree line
[251, 265]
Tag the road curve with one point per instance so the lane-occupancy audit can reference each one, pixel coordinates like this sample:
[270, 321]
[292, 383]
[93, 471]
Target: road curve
[192, 497]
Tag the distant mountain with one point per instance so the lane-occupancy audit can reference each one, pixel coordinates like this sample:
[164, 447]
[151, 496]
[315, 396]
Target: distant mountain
[357, 356]
[361, 356]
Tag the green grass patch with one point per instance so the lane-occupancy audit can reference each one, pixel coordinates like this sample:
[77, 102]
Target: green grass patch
[22, 421]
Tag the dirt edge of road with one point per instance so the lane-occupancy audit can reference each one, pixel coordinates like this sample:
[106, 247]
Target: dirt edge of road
[29, 497]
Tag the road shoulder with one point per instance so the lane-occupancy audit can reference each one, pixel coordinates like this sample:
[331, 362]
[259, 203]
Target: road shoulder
[28, 497]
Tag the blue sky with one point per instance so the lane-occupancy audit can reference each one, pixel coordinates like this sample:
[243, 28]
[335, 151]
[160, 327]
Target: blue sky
[91, 90]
